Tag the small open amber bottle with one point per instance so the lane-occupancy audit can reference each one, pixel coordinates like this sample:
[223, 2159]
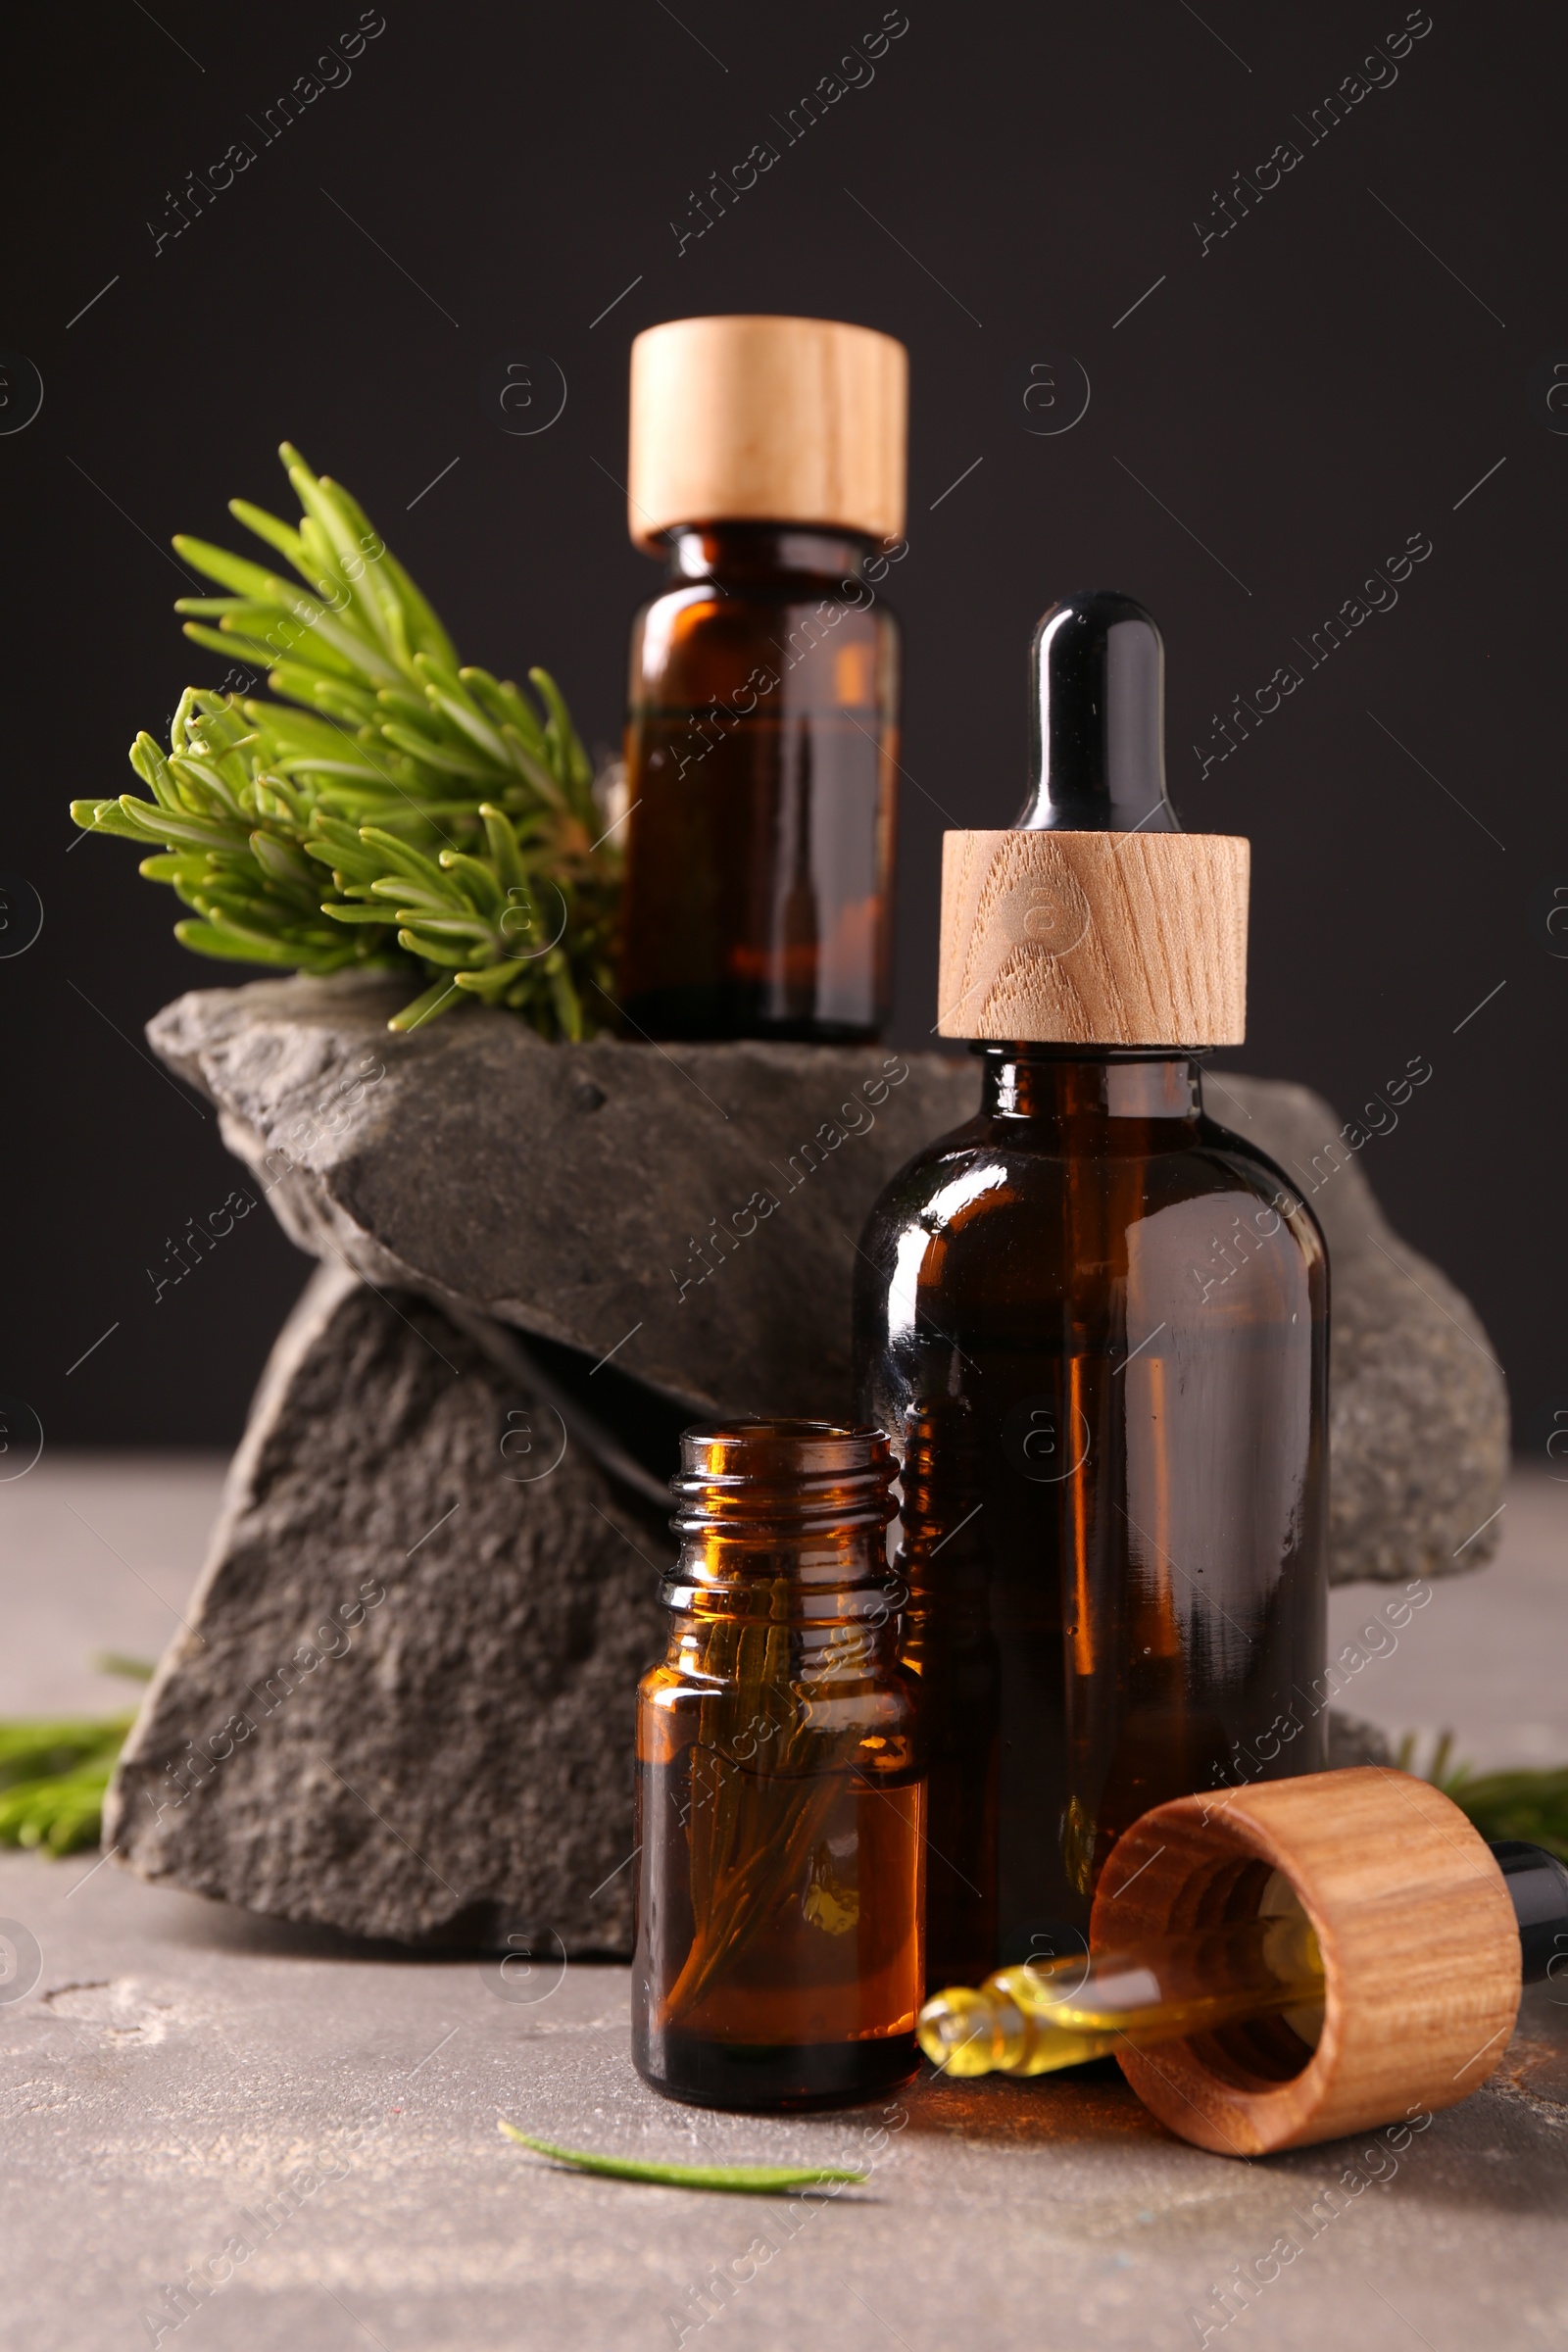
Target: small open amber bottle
[767, 467]
[780, 1796]
[1094, 1325]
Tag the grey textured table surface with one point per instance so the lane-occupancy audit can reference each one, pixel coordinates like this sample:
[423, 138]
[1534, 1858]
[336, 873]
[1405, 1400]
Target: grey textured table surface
[183, 2076]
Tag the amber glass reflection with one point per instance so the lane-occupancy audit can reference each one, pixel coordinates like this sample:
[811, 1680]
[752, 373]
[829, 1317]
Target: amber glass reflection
[761, 757]
[779, 1794]
[1094, 1323]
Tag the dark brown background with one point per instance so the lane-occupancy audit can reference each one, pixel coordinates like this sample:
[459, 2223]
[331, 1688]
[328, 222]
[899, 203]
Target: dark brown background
[1305, 395]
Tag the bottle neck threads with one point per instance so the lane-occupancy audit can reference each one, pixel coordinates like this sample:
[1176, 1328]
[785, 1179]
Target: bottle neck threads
[775, 1506]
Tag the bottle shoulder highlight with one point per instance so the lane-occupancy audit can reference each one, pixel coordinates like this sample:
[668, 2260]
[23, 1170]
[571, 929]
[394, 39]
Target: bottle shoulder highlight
[984, 1214]
[1002, 1162]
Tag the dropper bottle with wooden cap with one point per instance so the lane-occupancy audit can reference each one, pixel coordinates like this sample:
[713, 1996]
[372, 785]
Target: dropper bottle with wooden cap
[766, 466]
[1094, 1325]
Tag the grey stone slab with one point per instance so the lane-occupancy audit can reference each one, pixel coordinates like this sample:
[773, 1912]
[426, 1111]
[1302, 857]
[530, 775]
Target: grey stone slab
[401, 1700]
[182, 2076]
[401, 1703]
[1486, 1657]
[1352, 1740]
[569, 1189]
[1418, 1406]
[573, 1191]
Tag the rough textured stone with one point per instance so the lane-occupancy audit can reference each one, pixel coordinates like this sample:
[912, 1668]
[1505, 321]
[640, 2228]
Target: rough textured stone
[1354, 1741]
[567, 1189]
[556, 1188]
[1418, 1408]
[443, 1455]
[461, 1769]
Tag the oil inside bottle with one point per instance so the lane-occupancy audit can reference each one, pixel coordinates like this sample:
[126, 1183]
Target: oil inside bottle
[761, 753]
[780, 1787]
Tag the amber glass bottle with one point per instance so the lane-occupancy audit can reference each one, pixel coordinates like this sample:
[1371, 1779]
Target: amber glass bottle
[779, 1788]
[1094, 1323]
[767, 467]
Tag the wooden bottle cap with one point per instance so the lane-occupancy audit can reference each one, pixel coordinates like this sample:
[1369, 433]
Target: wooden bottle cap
[737, 419]
[1420, 1945]
[1095, 939]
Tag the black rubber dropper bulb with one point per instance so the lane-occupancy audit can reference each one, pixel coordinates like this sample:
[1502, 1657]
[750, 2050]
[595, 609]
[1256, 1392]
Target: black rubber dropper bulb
[1538, 1885]
[1097, 719]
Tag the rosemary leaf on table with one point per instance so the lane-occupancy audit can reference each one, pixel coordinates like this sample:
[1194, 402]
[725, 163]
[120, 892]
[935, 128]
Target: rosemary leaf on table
[754, 2180]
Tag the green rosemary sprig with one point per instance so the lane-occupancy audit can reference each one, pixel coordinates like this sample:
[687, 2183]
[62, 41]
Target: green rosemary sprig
[408, 814]
[1530, 1805]
[53, 1773]
[52, 1780]
[754, 2179]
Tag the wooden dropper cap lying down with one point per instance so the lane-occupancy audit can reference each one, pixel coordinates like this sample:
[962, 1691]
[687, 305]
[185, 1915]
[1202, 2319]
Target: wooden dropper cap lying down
[1311, 1958]
[1095, 921]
